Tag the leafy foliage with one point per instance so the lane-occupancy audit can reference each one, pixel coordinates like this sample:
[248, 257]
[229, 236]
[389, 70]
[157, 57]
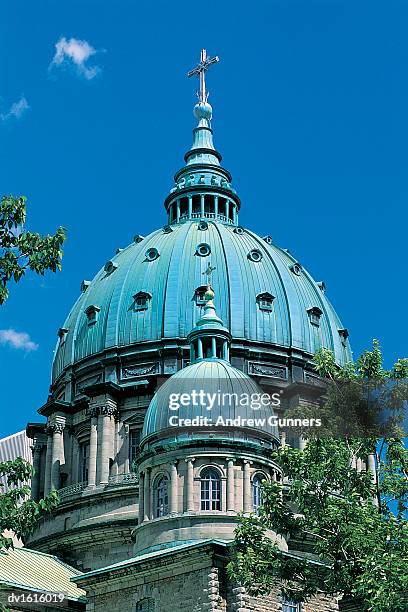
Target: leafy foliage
[18, 513]
[353, 523]
[22, 250]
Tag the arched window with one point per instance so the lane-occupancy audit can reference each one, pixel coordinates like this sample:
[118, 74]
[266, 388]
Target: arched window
[162, 496]
[291, 606]
[145, 605]
[210, 490]
[257, 491]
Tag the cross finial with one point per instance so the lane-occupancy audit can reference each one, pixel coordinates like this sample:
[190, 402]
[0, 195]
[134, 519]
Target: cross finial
[200, 70]
[208, 273]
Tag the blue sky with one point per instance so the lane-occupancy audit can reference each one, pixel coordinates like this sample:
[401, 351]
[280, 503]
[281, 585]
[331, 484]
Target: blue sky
[310, 113]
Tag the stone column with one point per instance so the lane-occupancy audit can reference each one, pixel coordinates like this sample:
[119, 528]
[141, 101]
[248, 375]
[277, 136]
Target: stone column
[35, 481]
[199, 348]
[76, 476]
[227, 209]
[371, 467]
[105, 424]
[173, 488]
[190, 485]
[190, 206]
[141, 497]
[214, 346]
[225, 351]
[282, 437]
[93, 449]
[302, 443]
[234, 214]
[178, 210]
[146, 496]
[57, 454]
[115, 430]
[48, 458]
[247, 487]
[202, 208]
[230, 485]
[216, 206]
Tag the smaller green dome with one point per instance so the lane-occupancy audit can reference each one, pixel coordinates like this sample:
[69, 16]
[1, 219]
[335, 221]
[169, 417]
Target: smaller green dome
[231, 405]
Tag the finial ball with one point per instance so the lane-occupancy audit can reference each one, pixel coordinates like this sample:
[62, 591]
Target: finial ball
[209, 294]
[203, 110]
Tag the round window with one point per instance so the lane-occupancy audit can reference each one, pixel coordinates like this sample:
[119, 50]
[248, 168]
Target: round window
[255, 255]
[203, 225]
[203, 249]
[239, 230]
[152, 254]
[296, 269]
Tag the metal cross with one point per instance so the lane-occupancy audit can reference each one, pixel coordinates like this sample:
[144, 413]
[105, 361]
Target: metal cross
[200, 70]
[208, 273]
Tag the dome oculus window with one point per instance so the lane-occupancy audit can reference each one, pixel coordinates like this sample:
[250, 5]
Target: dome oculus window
[296, 268]
[110, 267]
[255, 255]
[162, 497]
[152, 254]
[203, 249]
[203, 225]
[265, 301]
[138, 238]
[141, 300]
[210, 489]
[268, 239]
[239, 230]
[92, 313]
[314, 315]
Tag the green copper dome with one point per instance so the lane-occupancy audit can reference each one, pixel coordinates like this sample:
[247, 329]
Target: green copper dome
[148, 292]
[214, 376]
[171, 279]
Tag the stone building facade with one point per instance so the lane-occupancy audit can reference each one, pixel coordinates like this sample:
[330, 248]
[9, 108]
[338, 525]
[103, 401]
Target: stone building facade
[148, 508]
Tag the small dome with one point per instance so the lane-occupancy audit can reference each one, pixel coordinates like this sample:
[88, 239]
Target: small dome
[203, 110]
[231, 405]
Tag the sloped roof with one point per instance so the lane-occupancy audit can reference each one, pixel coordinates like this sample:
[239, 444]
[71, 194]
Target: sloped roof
[23, 568]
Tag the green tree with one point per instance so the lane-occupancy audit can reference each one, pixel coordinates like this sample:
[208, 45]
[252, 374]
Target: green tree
[22, 250]
[18, 513]
[353, 522]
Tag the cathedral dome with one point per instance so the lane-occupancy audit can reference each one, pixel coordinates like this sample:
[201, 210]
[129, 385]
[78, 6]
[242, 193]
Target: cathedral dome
[264, 295]
[150, 291]
[226, 419]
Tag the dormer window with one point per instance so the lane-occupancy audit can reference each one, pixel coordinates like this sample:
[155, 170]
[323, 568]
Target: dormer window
[239, 230]
[199, 295]
[141, 300]
[268, 239]
[138, 238]
[344, 334]
[265, 301]
[84, 285]
[62, 333]
[92, 313]
[314, 315]
[110, 266]
[322, 286]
